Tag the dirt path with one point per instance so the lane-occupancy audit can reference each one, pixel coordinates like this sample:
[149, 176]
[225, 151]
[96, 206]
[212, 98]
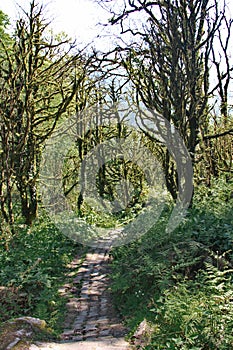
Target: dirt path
[91, 322]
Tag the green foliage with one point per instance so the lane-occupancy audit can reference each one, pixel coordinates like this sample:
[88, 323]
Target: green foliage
[118, 182]
[37, 89]
[177, 281]
[102, 219]
[4, 22]
[196, 314]
[212, 221]
[33, 268]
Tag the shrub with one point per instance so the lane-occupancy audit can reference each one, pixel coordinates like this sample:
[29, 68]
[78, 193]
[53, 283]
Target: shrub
[196, 314]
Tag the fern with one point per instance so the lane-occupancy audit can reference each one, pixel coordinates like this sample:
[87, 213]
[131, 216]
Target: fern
[196, 313]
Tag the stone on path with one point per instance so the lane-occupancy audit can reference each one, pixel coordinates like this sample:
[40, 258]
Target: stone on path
[100, 344]
[91, 322]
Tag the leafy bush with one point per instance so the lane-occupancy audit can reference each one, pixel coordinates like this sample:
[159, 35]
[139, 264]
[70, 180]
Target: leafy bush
[33, 267]
[196, 314]
[172, 268]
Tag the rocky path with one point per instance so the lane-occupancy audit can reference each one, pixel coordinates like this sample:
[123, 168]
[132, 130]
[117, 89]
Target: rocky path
[91, 323]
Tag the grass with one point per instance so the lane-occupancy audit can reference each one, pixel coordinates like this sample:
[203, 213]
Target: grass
[33, 268]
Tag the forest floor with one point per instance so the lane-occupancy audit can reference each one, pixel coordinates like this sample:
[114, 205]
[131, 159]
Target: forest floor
[91, 322]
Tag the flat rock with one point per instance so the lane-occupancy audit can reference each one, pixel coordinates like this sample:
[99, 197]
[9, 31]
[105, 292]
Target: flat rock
[17, 334]
[100, 344]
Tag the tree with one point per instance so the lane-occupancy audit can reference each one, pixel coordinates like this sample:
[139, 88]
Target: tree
[5, 42]
[98, 169]
[4, 22]
[217, 144]
[169, 63]
[39, 81]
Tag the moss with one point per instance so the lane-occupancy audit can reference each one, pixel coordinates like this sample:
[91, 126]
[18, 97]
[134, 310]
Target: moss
[18, 333]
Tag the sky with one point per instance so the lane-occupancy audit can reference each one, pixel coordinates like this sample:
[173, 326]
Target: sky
[78, 18]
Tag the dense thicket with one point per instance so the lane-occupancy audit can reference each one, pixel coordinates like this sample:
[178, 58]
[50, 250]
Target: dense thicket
[40, 75]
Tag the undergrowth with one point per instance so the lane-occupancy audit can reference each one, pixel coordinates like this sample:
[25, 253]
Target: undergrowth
[181, 283]
[33, 267]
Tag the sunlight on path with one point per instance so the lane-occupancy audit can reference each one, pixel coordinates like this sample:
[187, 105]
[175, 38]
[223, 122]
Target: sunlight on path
[100, 344]
[91, 321]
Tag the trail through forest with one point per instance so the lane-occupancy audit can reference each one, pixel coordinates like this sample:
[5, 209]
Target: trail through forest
[91, 322]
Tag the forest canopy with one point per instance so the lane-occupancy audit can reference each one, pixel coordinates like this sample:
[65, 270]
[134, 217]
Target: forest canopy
[177, 64]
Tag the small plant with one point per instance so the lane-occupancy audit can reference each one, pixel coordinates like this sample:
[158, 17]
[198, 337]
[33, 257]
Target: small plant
[32, 270]
[196, 314]
[181, 282]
